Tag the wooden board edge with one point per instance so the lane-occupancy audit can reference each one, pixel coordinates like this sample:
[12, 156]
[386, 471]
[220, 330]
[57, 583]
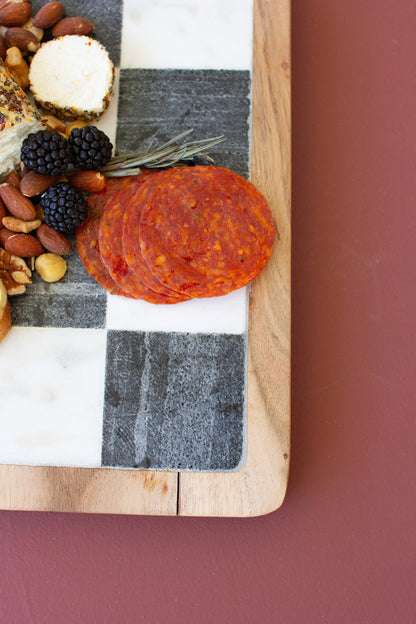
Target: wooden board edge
[260, 486]
[88, 490]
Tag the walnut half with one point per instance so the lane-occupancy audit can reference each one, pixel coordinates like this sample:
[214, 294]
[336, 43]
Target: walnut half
[14, 273]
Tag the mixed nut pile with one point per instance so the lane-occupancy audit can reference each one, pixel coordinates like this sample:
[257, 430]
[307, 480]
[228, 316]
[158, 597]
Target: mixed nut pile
[33, 232]
[21, 35]
[38, 210]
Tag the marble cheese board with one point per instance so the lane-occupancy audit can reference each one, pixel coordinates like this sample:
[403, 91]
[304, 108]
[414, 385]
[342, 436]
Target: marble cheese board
[142, 397]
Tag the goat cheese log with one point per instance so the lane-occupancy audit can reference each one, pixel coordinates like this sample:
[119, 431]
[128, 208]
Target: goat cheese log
[18, 118]
[72, 76]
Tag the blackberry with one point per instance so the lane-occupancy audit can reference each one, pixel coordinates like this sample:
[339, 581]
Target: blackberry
[45, 151]
[89, 148]
[64, 208]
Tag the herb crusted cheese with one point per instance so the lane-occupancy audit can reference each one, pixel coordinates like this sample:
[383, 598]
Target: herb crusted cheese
[18, 118]
[72, 77]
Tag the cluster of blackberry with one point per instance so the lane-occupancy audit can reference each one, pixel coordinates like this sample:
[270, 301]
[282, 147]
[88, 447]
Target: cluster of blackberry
[48, 152]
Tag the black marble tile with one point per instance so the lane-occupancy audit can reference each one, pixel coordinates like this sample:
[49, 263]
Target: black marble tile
[160, 104]
[174, 401]
[77, 301]
[106, 16]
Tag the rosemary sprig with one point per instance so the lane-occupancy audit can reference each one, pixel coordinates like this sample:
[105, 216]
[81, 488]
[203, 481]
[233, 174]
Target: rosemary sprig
[167, 155]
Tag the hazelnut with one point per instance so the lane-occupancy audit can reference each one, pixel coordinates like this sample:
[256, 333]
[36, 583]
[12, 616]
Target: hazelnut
[50, 267]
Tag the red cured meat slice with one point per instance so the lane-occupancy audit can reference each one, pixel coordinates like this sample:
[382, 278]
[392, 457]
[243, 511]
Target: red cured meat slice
[111, 249]
[131, 241]
[206, 231]
[87, 238]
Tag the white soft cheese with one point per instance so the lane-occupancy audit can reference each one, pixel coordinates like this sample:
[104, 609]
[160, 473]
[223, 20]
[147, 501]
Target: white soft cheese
[17, 119]
[72, 72]
[11, 144]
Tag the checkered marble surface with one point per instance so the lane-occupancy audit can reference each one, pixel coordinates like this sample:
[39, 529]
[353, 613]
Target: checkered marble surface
[92, 379]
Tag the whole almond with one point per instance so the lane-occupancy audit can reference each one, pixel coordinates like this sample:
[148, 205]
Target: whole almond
[72, 26]
[53, 241]
[88, 181]
[2, 210]
[16, 203]
[17, 225]
[14, 178]
[22, 39]
[14, 13]
[48, 15]
[4, 235]
[23, 245]
[33, 183]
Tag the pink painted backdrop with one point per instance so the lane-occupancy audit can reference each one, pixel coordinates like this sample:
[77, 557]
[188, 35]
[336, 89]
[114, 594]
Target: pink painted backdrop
[342, 547]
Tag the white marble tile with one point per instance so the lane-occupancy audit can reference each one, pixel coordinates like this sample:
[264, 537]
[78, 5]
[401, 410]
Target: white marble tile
[108, 122]
[52, 384]
[187, 34]
[227, 314]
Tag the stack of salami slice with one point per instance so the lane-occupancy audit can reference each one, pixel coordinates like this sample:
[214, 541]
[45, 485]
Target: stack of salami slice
[172, 235]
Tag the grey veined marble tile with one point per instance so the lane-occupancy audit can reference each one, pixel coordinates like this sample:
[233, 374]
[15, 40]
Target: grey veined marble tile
[174, 401]
[75, 302]
[157, 105]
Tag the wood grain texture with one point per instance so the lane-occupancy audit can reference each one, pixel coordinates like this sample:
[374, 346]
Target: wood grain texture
[88, 490]
[260, 486]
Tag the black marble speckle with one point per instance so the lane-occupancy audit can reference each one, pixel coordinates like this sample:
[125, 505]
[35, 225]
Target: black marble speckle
[160, 104]
[174, 401]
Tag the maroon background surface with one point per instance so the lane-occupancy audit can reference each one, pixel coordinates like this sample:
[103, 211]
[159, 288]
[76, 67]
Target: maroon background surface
[342, 547]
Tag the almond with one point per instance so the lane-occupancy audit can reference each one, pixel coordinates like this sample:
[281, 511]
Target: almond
[4, 235]
[72, 26]
[48, 15]
[54, 241]
[23, 245]
[17, 225]
[88, 181]
[16, 203]
[2, 210]
[14, 178]
[14, 13]
[22, 39]
[33, 183]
